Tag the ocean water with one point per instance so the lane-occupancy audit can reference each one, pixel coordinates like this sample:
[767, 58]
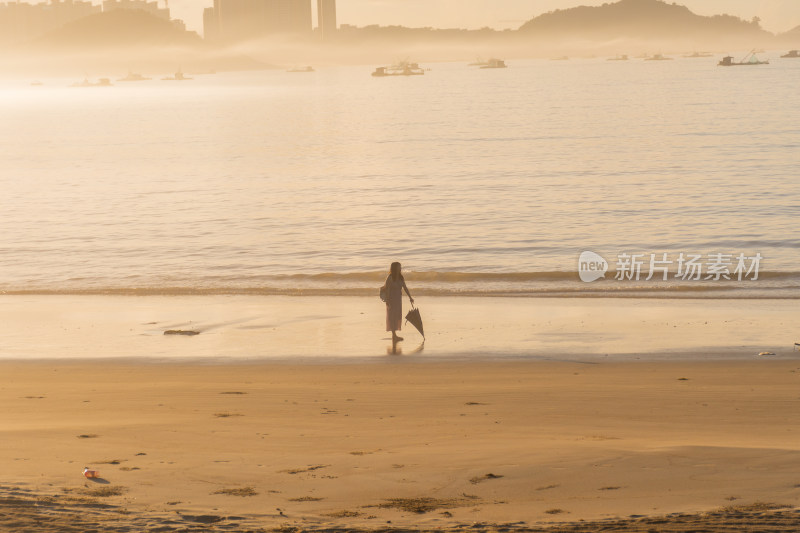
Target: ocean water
[478, 181]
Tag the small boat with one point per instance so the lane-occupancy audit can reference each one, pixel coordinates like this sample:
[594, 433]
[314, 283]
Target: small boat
[102, 82]
[301, 69]
[177, 77]
[495, 63]
[36, 83]
[749, 59]
[791, 54]
[658, 57]
[404, 68]
[623, 57]
[134, 76]
[698, 54]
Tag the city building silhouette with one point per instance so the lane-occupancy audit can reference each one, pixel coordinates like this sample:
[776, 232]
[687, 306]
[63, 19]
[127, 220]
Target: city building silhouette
[140, 5]
[22, 22]
[326, 18]
[242, 20]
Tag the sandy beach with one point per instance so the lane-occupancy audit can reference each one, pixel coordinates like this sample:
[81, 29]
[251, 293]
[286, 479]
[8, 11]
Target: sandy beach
[595, 217]
[401, 444]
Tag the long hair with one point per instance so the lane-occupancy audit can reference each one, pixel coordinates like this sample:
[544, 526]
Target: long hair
[394, 271]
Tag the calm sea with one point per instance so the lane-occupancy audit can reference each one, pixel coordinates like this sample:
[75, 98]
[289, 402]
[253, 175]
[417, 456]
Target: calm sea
[478, 181]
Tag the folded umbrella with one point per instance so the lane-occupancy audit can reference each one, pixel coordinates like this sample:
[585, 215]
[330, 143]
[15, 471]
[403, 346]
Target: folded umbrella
[414, 317]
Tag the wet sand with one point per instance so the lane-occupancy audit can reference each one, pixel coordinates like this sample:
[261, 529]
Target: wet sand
[344, 327]
[401, 444]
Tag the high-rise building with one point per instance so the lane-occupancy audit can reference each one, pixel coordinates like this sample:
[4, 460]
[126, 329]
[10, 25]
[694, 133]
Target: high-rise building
[290, 16]
[242, 20]
[326, 18]
[211, 27]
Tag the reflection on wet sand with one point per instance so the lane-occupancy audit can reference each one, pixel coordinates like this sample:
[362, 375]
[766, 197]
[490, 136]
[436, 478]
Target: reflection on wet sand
[395, 349]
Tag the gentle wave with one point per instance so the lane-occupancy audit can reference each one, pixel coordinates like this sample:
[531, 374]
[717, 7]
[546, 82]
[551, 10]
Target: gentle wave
[431, 276]
[695, 293]
[472, 277]
[443, 283]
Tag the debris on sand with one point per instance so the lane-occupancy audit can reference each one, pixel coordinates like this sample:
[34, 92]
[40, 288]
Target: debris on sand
[344, 514]
[104, 492]
[303, 470]
[243, 492]
[425, 505]
[480, 479]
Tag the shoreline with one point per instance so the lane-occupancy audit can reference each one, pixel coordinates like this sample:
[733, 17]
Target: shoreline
[320, 447]
[269, 328]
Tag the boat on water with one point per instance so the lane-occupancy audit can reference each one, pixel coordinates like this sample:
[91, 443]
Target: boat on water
[134, 76]
[36, 83]
[658, 57]
[791, 54]
[177, 77]
[749, 59]
[301, 69]
[404, 68]
[698, 54]
[622, 57]
[495, 63]
[102, 82]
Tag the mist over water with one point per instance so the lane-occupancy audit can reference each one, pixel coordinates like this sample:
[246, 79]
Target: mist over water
[279, 181]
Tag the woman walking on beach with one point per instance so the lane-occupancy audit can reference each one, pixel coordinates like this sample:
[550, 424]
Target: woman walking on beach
[393, 296]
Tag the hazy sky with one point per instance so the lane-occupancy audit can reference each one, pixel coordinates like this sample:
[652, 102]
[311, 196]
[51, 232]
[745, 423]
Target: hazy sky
[776, 15]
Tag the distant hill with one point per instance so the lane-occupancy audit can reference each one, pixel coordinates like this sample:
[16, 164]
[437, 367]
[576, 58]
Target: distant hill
[617, 27]
[640, 19]
[791, 37]
[109, 44]
[118, 29]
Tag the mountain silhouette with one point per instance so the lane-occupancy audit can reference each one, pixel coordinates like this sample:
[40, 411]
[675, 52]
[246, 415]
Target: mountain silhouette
[791, 37]
[111, 43]
[639, 19]
[119, 28]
